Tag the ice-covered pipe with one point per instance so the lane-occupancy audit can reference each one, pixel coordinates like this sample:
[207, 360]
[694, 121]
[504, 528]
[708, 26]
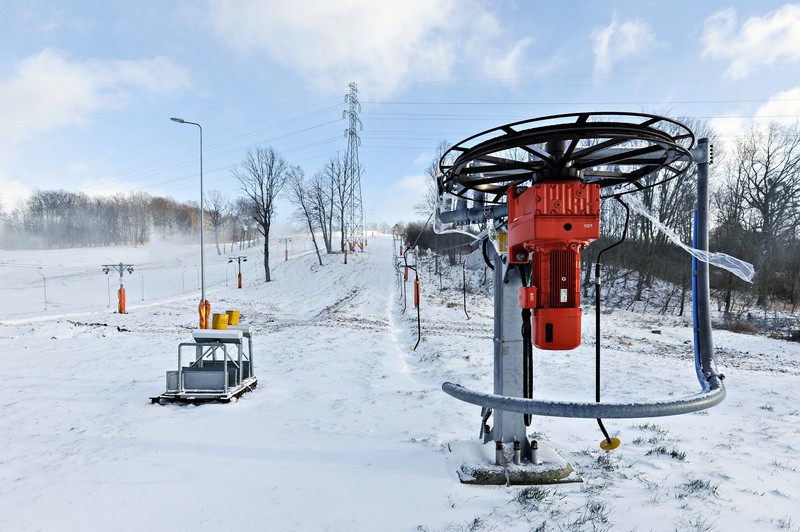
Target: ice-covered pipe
[539, 407]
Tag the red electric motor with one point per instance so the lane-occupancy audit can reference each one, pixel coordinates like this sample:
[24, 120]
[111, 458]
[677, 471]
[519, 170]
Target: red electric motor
[548, 226]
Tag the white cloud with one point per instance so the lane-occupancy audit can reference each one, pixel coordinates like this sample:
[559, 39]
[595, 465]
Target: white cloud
[759, 41]
[410, 183]
[12, 192]
[52, 90]
[378, 43]
[621, 40]
[784, 107]
[423, 158]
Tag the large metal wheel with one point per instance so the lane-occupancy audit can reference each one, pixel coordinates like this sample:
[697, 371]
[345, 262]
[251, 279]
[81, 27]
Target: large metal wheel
[607, 148]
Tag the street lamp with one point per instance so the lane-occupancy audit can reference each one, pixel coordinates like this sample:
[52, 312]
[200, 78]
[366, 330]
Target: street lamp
[286, 247]
[239, 260]
[205, 305]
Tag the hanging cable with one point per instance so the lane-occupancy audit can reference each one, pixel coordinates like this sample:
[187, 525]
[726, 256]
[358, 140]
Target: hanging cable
[414, 268]
[464, 279]
[405, 279]
[418, 305]
[527, 349]
[609, 443]
[485, 251]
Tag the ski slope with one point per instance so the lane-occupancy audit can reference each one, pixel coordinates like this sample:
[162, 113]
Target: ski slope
[348, 428]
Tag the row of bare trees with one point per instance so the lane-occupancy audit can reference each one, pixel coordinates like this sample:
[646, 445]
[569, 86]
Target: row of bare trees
[59, 219]
[321, 201]
[755, 211]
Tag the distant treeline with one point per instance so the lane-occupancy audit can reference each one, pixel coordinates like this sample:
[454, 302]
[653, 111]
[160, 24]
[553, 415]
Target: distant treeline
[60, 219]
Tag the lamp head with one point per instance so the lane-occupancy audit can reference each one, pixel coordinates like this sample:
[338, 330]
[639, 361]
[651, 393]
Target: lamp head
[178, 120]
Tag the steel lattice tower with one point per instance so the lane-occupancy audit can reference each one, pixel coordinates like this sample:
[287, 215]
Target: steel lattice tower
[353, 226]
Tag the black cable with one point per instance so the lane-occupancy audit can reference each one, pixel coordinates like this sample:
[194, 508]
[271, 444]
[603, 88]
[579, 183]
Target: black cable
[405, 280]
[597, 313]
[464, 277]
[416, 280]
[485, 252]
[418, 295]
[527, 349]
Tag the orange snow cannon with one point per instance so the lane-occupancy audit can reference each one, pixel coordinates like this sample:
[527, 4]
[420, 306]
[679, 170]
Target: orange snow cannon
[121, 301]
[204, 309]
[549, 224]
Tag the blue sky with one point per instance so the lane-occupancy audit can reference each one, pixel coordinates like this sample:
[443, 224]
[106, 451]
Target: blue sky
[87, 87]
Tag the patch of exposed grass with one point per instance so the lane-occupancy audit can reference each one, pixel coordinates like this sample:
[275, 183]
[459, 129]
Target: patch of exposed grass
[673, 452]
[700, 488]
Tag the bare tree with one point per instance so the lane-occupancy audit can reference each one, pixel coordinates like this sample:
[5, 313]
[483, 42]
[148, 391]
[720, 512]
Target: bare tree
[339, 179]
[320, 191]
[301, 198]
[262, 175]
[765, 166]
[428, 203]
[730, 236]
[242, 214]
[217, 211]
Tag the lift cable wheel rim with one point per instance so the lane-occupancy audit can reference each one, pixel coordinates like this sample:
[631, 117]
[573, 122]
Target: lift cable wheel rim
[608, 148]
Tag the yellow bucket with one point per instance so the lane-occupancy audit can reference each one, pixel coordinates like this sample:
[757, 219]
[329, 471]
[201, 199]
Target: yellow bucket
[233, 317]
[219, 321]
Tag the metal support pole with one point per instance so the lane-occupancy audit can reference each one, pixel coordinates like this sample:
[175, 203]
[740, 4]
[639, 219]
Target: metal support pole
[508, 355]
[702, 307]
[203, 302]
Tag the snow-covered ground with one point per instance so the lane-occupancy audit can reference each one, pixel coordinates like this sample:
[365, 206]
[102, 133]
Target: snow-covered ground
[348, 428]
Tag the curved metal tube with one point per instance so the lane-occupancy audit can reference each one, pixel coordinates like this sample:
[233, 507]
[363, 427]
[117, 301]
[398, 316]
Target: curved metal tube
[474, 215]
[520, 405]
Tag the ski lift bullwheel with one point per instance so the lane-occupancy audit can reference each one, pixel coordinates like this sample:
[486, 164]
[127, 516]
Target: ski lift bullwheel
[551, 173]
[607, 149]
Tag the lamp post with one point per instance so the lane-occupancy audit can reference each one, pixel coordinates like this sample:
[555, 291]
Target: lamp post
[205, 305]
[239, 260]
[285, 247]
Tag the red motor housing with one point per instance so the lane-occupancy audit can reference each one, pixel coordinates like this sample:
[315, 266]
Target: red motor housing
[548, 225]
